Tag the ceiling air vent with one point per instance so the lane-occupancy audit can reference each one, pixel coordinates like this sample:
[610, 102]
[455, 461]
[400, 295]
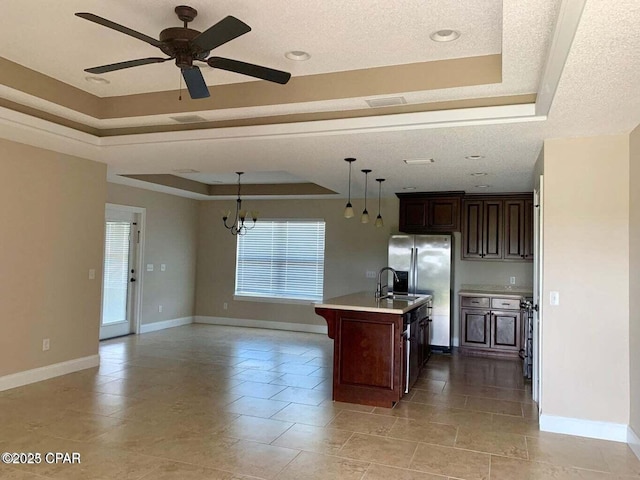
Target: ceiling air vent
[188, 119]
[386, 102]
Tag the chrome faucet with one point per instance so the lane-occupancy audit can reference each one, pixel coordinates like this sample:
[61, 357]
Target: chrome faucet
[379, 287]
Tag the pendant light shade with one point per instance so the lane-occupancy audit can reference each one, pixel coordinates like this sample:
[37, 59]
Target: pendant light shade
[365, 214]
[348, 209]
[379, 222]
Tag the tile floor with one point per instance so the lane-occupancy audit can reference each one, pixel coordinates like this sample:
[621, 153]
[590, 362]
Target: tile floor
[208, 402]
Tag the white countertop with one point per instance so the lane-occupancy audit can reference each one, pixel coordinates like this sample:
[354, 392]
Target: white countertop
[367, 302]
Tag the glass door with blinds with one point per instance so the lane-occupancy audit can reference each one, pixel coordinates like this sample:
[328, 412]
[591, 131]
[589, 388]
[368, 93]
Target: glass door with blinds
[119, 273]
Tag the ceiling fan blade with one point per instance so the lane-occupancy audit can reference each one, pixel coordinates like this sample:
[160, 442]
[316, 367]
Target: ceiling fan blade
[115, 26]
[195, 83]
[277, 76]
[128, 64]
[225, 30]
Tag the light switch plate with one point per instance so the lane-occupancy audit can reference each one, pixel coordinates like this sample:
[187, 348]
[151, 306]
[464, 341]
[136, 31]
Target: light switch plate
[149, 267]
[554, 298]
[163, 267]
[92, 274]
[370, 274]
[512, 280]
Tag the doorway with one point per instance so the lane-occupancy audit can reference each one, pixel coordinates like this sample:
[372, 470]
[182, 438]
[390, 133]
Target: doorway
[121, 271]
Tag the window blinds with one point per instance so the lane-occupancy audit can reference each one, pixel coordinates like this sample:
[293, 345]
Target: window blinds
[116, 272]
[282, 259]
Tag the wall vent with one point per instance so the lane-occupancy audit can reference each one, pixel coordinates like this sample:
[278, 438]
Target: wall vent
[386, 102]
[188, 119]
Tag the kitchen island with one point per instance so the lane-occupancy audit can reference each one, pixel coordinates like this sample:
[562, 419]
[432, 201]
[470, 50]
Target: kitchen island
[379, 345]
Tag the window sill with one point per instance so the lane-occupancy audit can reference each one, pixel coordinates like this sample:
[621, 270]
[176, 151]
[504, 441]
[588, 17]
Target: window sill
[290, 301]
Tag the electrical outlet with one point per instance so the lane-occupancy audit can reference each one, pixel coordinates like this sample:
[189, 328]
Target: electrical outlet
[159, 308]
[370, 274]
[512, 280]
[163, 267]
[92, 274]
[225, 305]
[45, 344]
[554, 298]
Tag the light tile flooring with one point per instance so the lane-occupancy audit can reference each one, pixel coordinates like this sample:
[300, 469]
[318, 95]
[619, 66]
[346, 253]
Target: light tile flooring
[208, 402]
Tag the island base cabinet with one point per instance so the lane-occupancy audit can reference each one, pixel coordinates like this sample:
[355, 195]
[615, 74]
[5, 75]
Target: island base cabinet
[367, 350]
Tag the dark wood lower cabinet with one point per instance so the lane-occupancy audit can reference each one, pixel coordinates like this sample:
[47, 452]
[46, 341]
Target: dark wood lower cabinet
[490, 331]
[368, 348]
[370, 353]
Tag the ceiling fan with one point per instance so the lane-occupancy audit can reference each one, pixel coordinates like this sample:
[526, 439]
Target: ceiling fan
[186, 45]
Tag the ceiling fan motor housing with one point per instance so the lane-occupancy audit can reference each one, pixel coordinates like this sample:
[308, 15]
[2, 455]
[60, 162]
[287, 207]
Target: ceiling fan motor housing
[177, 42]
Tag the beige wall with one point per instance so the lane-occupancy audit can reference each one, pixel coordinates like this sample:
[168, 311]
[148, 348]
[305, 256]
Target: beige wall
[585, 339]
[52, 221]
[170, 238]
[351, 249]
[634, 278]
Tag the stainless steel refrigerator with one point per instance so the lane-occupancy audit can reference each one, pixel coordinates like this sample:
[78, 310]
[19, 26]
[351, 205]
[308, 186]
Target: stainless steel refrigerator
[424, 266]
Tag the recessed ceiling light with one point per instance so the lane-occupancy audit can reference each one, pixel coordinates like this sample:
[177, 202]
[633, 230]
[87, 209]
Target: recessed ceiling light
[297, 55]
[98, 80]
[408, 188]
[445, 35]
[419, 161]
[474, 157]
[482, 186]
[479, 174]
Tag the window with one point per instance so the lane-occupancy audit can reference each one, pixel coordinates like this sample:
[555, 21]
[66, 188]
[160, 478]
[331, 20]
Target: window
[281, 259]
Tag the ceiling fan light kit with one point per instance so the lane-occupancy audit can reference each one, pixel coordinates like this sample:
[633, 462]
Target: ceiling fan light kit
[185, 46]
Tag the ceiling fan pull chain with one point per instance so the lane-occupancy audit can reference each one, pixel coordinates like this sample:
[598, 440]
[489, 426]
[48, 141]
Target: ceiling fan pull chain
[180, 88]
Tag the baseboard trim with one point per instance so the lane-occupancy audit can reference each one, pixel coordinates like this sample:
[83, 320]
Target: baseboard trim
[616, 432]
[49, 371]
[245, 322]
[174, 322]
[633, 439]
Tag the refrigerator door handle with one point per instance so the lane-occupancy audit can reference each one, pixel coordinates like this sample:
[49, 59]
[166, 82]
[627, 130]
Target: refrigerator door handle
[411, 286]
[415, 273]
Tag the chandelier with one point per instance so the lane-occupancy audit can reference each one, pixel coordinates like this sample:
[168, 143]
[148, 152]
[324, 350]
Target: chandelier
[238, 226]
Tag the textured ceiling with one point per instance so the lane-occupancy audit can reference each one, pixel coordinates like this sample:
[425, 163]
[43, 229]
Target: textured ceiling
[596, 94]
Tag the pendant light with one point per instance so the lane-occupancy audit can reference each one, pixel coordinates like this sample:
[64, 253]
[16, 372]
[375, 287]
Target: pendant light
[379, 223]
[365, 214]
[348, 209]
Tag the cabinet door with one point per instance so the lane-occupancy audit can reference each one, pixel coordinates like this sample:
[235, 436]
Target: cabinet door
[514, 235]
[528, 229]
[472, 229]
[492, 229]
[505, 330]
[475, 330]
[444, 214]
[413, 215]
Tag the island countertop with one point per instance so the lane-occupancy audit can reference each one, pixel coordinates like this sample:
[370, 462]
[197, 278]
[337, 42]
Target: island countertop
[367, 302]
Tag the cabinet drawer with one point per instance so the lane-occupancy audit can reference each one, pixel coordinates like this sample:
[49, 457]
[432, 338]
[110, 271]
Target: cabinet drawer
[505, 303]
[475, 302]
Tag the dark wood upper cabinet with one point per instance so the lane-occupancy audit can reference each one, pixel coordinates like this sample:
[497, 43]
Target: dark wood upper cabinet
[514, 229]
[497, 227]
[482, 229]
[528, 228]
[430, 212]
